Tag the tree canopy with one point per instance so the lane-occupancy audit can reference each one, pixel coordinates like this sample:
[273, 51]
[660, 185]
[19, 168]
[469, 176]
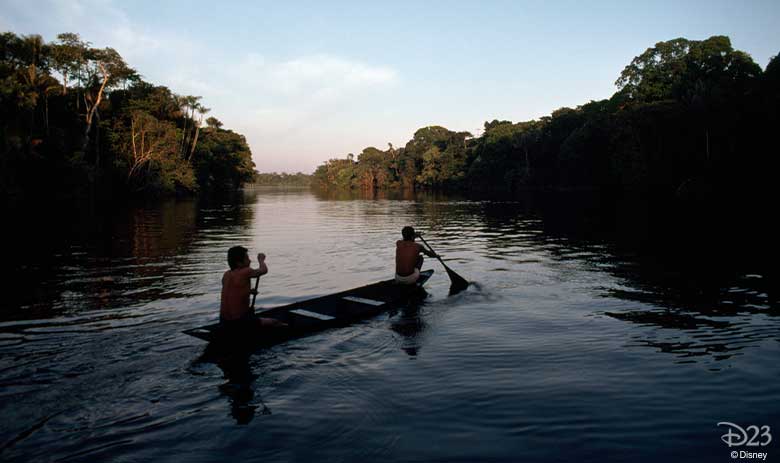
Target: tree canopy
[78, 120]
[685, 113]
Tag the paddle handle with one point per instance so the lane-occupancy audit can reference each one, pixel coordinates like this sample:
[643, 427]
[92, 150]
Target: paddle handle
[429, 247]
[254, 296]
[456, 280]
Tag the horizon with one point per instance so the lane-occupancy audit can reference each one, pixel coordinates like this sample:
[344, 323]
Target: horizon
[307, 87]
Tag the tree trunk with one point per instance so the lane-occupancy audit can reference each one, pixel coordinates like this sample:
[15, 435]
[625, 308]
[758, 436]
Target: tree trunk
[97, 139]
[183, 133]
[46, 113]
[195, 140]
[527, 164]
[192, 118]
[91, 109]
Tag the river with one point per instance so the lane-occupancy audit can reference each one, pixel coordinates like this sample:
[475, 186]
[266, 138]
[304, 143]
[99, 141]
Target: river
[582, 338]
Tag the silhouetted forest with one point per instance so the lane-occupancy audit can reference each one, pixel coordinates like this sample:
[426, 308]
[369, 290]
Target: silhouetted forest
[77, 121]
[690, 118]
[695, 119]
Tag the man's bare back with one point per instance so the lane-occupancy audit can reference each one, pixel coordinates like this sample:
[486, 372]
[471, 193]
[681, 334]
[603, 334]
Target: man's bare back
[408, 260]
[407, 255]
[234, 309]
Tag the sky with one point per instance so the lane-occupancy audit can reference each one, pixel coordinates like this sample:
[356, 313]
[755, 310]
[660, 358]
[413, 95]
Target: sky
[309, 81]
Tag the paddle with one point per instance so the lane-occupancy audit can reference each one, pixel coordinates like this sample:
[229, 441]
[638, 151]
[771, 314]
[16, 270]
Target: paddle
[254, 296]
[458, 283]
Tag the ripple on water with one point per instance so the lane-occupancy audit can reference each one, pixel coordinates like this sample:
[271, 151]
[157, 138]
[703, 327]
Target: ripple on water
[562, 342]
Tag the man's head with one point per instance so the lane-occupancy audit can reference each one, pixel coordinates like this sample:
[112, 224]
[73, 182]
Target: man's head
[408, 233]
[237, 257]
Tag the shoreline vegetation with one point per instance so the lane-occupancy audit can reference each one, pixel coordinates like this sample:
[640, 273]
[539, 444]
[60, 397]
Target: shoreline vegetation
[298, 180]
[80, 123]
[691, 120]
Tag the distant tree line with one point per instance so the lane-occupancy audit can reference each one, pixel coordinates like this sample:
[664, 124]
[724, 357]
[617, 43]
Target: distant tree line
[77, 120]
[283, 179]
[688, 117]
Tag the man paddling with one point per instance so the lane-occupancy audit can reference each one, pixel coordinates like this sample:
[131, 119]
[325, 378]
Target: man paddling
[408, 260]
[234, 309]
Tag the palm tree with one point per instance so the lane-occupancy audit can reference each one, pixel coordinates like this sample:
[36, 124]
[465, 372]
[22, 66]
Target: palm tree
[202, 110]
[182, 101]
[189, 104]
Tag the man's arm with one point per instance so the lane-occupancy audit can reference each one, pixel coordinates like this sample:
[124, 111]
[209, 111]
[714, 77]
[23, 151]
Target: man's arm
[425, 251]
[261, 269]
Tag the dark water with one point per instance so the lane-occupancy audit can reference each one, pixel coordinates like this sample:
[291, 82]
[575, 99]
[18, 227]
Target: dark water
[585, 338]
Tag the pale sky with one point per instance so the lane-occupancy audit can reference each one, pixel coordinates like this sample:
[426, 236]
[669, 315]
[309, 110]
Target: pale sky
[310, 81]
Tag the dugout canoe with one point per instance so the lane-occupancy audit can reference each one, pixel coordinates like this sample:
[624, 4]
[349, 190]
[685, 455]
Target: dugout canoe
[320, 313]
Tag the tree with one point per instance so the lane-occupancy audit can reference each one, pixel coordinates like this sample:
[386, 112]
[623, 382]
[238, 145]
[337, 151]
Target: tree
[412, 160]
[188, 105]
[772, 72]
[444, 162]
[431, 174]
[202, 110]
[222, 160]
[373, 169]
[105, 124]
[68, 55]
[147, 141]
[104, 69]
[214, 123]
[153, 161]
[336, 173]
[671, 70]
[33, 76]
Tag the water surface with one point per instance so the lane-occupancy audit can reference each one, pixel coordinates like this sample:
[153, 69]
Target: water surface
[583, 338]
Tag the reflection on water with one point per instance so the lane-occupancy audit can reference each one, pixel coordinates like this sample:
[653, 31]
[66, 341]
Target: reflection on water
[236, 369]
[410, 323]
[699, 293]
[105, 261]
[591, 326]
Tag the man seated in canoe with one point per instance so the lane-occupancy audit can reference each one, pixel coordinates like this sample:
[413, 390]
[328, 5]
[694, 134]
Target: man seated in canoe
[408, 260]
[234, 309]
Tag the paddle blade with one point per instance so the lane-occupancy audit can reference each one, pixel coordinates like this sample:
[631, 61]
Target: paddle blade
[457, 282]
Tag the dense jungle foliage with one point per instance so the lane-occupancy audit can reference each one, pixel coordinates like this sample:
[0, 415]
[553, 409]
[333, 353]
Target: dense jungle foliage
[77, 121]
[689, 118]
[298, 179]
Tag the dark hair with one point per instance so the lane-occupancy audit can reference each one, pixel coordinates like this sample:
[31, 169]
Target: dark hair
[235, 255]
[408, 233]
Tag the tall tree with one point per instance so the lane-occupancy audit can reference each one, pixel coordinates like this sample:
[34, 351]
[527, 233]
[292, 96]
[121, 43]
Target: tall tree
[68, 56]
[202, 110]
[672, 69]
[189, 104]
[105, 69]
[214, 123]
[372, 169]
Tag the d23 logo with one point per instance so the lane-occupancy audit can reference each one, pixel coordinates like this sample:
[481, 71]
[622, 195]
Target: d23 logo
[752, 436]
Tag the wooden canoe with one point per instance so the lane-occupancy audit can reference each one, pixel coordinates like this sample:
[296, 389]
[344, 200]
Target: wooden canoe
[320, 313]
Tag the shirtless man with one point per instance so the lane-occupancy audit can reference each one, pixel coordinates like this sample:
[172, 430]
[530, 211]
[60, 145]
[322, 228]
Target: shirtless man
[408, 260]
[234, 309]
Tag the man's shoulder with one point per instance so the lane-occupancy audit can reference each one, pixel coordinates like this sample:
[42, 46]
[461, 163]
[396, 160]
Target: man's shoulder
[237, 273]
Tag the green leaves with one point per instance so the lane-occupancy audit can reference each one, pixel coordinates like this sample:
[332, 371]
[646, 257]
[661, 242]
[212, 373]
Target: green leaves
[69, 109]
[435, 158]
[222, 160]
[673, 69]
